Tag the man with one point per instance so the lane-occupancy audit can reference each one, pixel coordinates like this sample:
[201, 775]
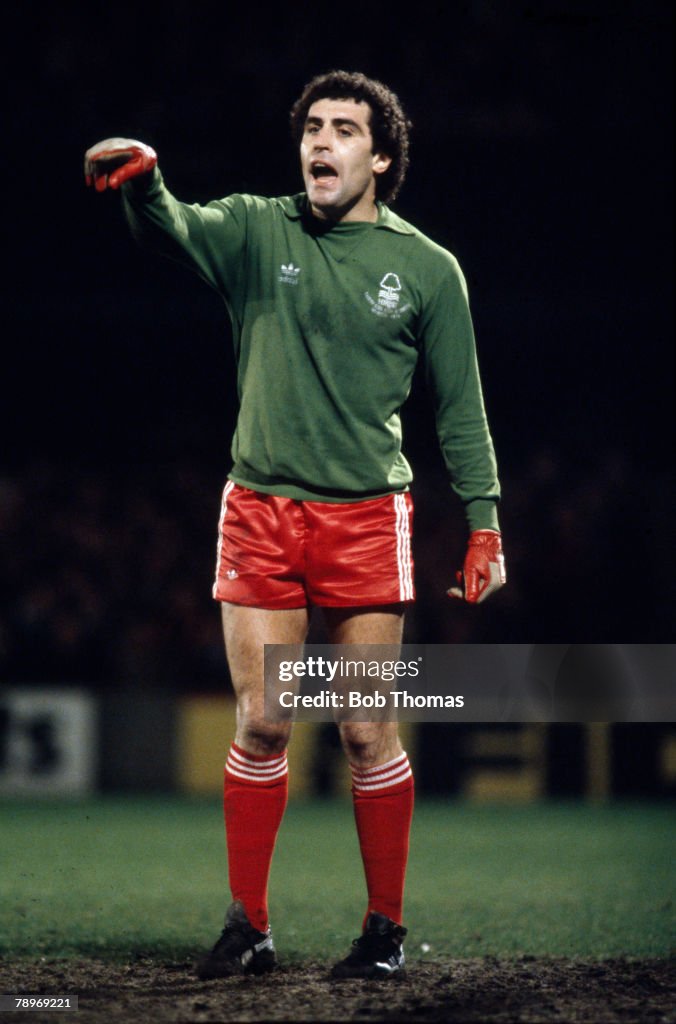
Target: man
[333, 298]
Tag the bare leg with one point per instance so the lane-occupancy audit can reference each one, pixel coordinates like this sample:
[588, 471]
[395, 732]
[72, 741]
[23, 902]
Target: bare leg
[246, 630]
[367, 743]
[382, 791]
[256, 777]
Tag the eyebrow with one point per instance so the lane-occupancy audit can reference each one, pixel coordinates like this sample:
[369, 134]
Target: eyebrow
[338, 122]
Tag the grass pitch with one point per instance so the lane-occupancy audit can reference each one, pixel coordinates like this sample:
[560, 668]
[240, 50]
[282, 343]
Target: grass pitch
[117, 878]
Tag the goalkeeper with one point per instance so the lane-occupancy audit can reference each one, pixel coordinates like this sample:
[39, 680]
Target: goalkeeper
[333, 299]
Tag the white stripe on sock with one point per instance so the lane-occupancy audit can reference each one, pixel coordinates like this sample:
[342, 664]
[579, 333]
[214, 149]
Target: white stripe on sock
[399, 759]
[400, 777]
[256, 777]
[256, 771]
[396, 771]
[243, 761]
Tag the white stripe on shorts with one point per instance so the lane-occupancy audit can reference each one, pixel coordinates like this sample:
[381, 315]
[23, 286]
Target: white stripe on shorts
[219, 547]
[404, 560]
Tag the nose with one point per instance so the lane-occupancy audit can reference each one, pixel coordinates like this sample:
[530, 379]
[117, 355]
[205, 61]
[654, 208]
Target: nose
[322, 140]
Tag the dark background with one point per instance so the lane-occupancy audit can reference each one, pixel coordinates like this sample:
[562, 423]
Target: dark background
[541, 156]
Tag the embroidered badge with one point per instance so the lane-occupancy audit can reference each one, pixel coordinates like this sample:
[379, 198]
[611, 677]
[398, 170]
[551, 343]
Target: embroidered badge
[389, 297]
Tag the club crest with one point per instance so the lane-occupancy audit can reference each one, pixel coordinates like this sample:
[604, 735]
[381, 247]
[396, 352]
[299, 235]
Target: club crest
[389, 298]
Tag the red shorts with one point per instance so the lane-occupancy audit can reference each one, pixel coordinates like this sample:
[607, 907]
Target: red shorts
[278, 552]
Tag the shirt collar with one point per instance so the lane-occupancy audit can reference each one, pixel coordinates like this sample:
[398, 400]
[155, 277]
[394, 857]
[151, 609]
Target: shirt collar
[295, 206]
[390, 221]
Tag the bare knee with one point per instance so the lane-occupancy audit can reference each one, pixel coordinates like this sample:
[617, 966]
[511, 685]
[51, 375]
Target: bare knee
[262, 738]
[360, 752]
[369, 744]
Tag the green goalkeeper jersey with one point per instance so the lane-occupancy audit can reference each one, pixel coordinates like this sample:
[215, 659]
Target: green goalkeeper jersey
[329, 321]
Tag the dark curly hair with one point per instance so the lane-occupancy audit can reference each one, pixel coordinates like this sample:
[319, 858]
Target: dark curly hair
[389, 124]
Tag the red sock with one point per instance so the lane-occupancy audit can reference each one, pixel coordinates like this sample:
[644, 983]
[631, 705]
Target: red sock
[383, 807]
[254, 799]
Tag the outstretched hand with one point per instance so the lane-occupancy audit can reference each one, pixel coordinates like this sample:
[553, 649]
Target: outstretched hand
[484, 568]
[110, 163]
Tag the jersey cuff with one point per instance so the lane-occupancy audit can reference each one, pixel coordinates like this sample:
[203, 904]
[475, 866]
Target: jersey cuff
[482, 514]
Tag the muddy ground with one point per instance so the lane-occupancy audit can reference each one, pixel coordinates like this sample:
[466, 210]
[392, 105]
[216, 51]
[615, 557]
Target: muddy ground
[489, 990]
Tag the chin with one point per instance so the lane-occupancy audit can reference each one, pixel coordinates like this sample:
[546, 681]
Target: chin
[320, 194]
[327, 199]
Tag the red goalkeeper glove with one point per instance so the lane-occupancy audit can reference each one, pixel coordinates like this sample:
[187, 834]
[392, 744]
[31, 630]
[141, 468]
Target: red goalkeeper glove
[484, 568]
[111, 162]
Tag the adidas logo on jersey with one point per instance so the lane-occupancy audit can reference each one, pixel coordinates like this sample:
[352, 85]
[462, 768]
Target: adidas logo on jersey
[289, 273]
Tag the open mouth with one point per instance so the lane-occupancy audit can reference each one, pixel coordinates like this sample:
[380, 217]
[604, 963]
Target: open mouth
[322, 172]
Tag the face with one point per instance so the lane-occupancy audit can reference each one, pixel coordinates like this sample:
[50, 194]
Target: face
[338, 163]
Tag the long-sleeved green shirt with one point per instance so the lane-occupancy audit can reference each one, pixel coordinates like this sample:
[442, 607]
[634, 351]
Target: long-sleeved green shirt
[328, 324]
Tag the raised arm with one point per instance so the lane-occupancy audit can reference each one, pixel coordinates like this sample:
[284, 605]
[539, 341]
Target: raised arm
[207, 239]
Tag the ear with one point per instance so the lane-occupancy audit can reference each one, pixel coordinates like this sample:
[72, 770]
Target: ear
[381, 163]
